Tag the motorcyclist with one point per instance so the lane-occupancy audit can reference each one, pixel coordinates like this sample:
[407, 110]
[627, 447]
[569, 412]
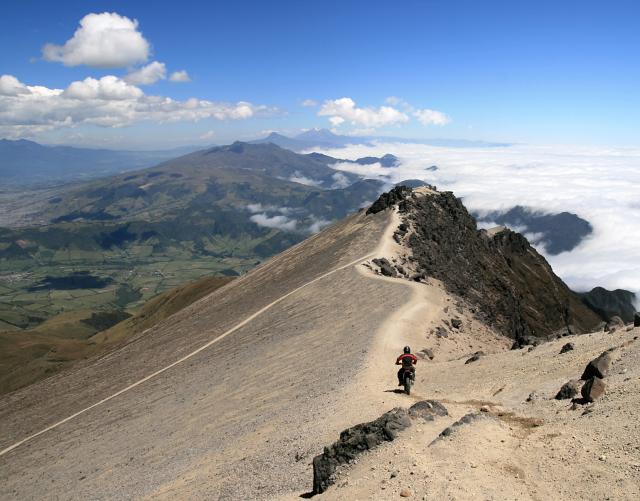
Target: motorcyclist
[407, 360]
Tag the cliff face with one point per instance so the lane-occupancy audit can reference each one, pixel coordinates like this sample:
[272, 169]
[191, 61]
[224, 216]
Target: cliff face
[512, 286]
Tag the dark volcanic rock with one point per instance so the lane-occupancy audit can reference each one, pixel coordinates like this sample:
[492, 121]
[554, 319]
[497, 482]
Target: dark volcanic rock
[593, 389]
[441, 332]
[568, 390]
[427, 410]
[467, 419]
[456, 323]
[353, 441]
[389, 199]
[567, 347]
[636, 320]
[512, 286]
[475, 357]
[386, 268]
[598, 367]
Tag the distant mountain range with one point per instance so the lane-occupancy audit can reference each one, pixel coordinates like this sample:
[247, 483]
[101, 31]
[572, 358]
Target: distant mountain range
[324, 138]
[25, 162]
[135, 234]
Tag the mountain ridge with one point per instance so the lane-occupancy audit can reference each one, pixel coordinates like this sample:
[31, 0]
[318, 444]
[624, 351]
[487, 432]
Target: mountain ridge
[318, 326]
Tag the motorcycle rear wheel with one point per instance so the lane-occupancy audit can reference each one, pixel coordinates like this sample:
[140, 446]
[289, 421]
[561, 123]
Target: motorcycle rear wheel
[407, 384]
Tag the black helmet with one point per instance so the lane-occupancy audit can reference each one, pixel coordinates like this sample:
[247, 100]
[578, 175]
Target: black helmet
[407, 349]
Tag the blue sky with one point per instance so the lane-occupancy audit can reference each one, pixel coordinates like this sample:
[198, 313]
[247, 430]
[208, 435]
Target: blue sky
[533, 72]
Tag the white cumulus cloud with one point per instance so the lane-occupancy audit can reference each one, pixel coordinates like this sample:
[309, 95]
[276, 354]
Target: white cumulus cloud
[107, 88]
[106, 40]
[108, 102]
[345, 110]
[208, 135]
[180, 76]
[317, 223]
[148, 74]
[277, 222]
[11, 86]
[431, 117]
[300, 178]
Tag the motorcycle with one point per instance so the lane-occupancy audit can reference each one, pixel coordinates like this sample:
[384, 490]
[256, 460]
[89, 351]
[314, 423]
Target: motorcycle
[407, 379]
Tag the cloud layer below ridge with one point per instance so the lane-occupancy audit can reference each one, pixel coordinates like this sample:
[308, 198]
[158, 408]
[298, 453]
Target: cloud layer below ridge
[599, 184]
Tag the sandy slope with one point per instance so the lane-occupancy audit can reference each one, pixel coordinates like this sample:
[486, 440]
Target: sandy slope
[237, 420]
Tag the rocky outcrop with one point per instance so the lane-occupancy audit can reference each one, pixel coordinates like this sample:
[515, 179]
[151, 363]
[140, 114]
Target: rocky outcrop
[512, 286]
[362, 437]
[354, 441]
[389, 199]
[636, 320]
[386, 268]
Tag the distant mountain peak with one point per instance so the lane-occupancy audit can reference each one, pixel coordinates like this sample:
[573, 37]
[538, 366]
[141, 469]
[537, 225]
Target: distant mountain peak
[317, 134]
[276, 135]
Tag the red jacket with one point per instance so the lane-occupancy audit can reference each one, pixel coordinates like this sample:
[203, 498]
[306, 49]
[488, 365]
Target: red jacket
[402, 359]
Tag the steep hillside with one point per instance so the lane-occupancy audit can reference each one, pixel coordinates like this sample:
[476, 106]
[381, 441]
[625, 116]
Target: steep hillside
[512, 285]
[233, 397]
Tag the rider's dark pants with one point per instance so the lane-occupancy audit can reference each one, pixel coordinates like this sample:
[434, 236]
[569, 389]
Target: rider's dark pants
[401, 371]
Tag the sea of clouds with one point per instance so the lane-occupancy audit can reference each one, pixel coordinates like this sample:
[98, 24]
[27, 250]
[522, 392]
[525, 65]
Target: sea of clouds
[599, 184]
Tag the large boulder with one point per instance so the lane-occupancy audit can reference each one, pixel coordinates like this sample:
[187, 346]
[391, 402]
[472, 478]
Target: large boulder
[568, 390]
[428, 410]
[354, 441]
[593, 389]
[598, 367]
[636, 320]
